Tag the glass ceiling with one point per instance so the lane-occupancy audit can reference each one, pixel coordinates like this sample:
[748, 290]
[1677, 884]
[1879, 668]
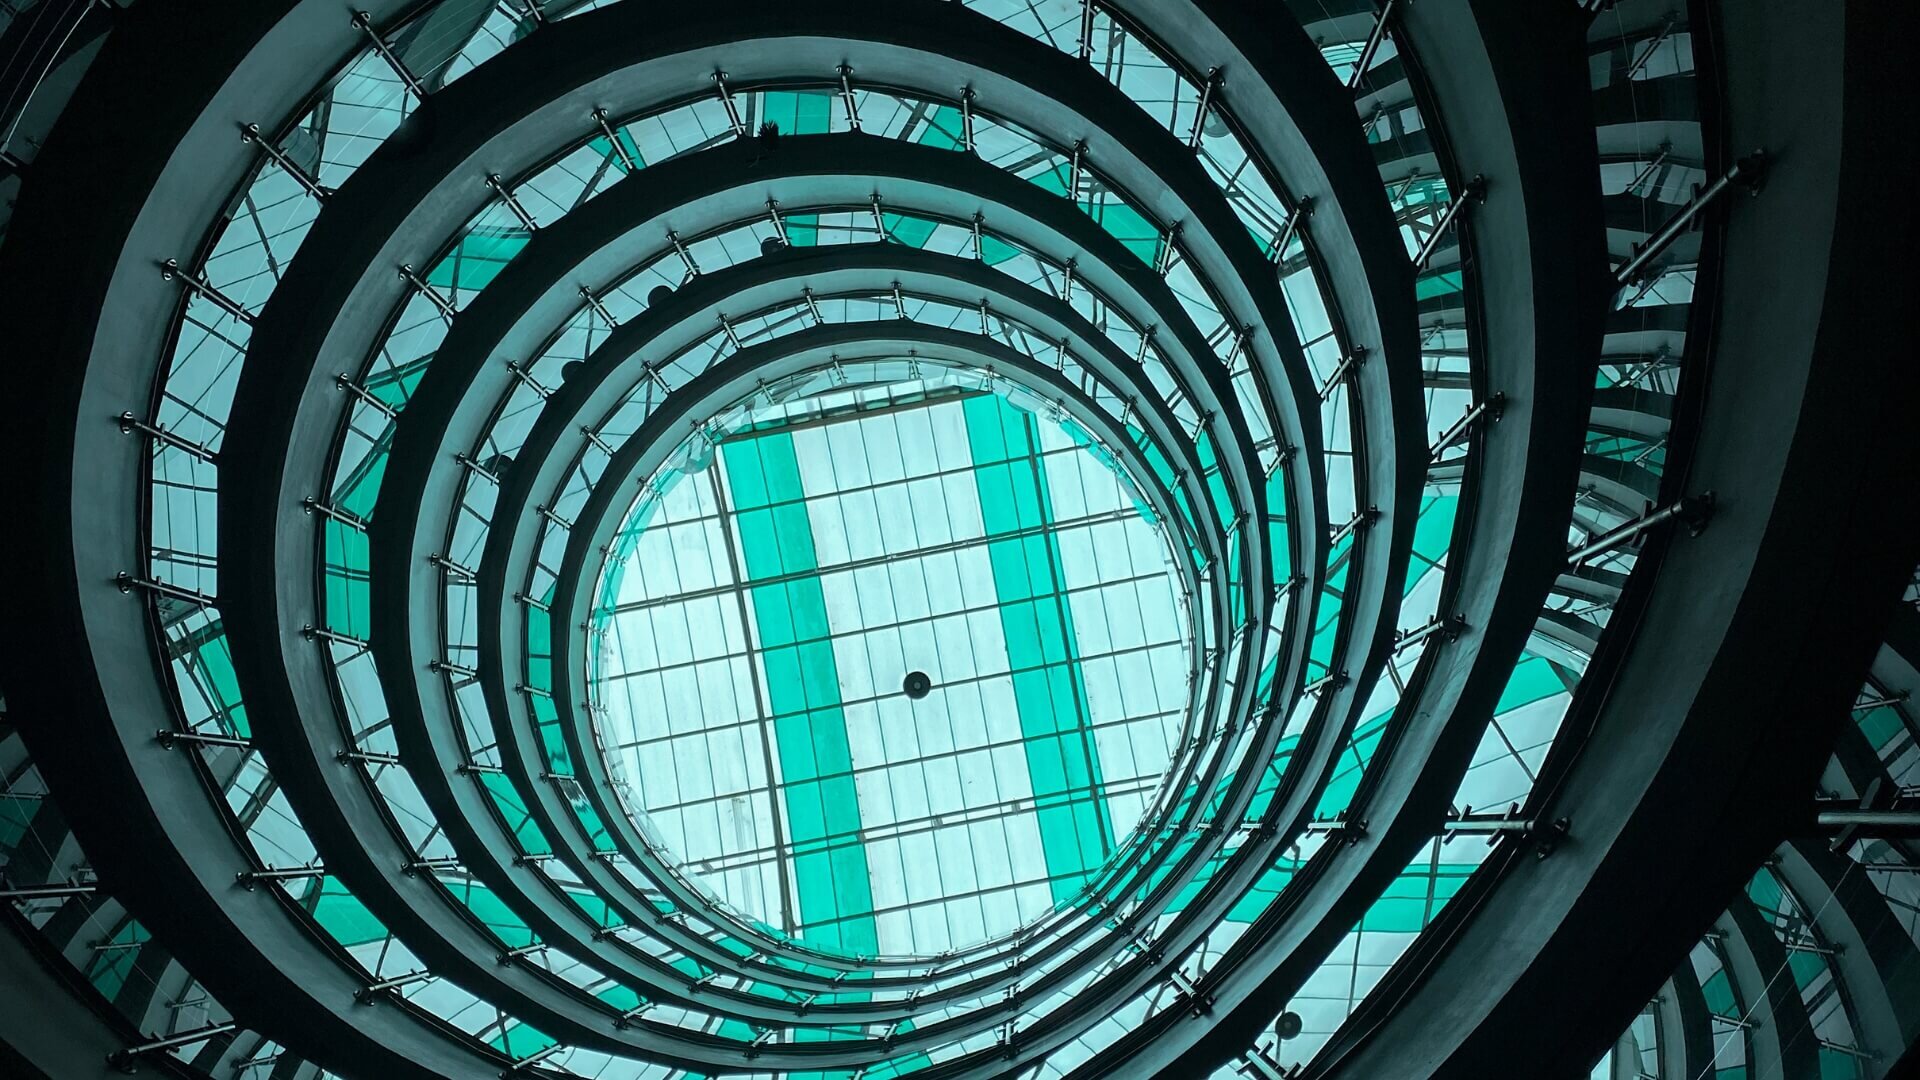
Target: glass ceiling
[713, 748]
[763, 608]
[786, 571]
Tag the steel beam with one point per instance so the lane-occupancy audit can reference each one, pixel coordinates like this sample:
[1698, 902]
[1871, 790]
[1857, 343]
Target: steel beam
[1542, 202]
[819, 170]
[82, 672]
[1686, 1028]
[56, 1024]
[580, 60]
[1875, 961]
[1780, 1039]
[655, 332]
[1705, 712]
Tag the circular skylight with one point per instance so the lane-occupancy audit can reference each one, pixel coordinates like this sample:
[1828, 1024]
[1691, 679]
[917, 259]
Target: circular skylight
[891, 663]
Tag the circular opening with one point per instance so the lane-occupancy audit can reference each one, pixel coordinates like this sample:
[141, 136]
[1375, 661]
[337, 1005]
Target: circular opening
[891, 660]
[916, 685]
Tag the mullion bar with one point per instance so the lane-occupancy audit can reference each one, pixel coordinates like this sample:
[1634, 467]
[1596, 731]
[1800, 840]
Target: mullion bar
[756, 678]
[949, 548]
[1006, 808]
[990, 423]
[839, 635]
[854, 489]
[1111, 654]
[981, 893]
[958, 751]
[803, 738]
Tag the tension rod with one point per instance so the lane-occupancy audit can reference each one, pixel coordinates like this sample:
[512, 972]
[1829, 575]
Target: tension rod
[1449, 626]
[1476, 190]
[1372, 47]
[127, 583]
[1340, 374]
[686, 257]
[1693, 510]
[627, 1018]
[453, 568]
[351, 520]
[25, 893]
[1354, 524]
[1876, 822]
[1301, 211]
[526, 379]
[1667, 26]
[346, 382]
[168, 738]
[528, 1062]
[507, 196]
[606, 128]
[1206, 102]
[477, 469]
[250, 133]
[726, 99]
[247, 879]
[506, 958]
[199, 286]
[1746, 172]
[599, 307]
[321, 633]
[129, 423]
[846, 97]
[1332, 679]
[1490, 409]
[125, 1059]
[363, 21]
[368, 994]
[1646, 173]
[1881, 702]
[447, 310]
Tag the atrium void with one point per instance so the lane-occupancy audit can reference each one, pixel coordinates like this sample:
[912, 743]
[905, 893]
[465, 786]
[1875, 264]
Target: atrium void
[982, 540]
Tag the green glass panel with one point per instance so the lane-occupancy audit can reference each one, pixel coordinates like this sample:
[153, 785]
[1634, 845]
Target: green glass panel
[1718, 990]
[514, 813]
[1337, 796]
[1532, 680]
[820, 796]
[1431, 285]
[807, 112]
[518, 1040]
[1432, 534]
[341, 914]
[487, 906]
[1881, 726]
[606, 150]
[110, 966]
[478, 258]
[1123, 222]
[1076, 831]
[16, 817]
[209, 663]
